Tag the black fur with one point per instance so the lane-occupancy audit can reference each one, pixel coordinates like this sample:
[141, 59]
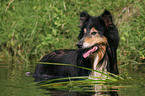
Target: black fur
[74, 57]
[104, 24]
[106, 27]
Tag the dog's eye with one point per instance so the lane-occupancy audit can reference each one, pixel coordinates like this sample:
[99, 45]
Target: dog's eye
[93, 33]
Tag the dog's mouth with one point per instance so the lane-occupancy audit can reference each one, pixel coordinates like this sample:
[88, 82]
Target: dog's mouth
[90, 51]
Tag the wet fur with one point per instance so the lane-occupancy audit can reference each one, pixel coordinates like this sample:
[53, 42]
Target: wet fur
[107, 60]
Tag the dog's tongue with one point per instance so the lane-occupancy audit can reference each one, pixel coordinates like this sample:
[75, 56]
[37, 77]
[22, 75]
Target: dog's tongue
[88, 53]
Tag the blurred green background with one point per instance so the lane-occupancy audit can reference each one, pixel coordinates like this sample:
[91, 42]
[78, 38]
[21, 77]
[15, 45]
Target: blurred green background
[29, 29]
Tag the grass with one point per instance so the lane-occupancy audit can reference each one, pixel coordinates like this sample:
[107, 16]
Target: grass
[79, 83]
[31, 28]
[107, 75]
[84, 85]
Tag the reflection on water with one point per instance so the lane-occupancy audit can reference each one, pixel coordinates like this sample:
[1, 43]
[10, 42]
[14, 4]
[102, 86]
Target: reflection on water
[13, 82]
[104, 90]
[63, 93]
[99, 91]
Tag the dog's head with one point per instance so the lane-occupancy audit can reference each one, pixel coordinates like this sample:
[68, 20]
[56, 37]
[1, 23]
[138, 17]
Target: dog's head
[92, 40]
[99, 31]
[97, 27]
[92, 37]
[92, 31]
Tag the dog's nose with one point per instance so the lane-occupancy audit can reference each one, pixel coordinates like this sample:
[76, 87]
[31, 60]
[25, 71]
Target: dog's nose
[80, 44]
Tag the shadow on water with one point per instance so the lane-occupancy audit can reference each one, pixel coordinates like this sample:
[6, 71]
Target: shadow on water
[14, 83]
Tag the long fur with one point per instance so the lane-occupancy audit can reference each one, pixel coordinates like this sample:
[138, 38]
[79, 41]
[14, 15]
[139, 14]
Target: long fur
[106, 31]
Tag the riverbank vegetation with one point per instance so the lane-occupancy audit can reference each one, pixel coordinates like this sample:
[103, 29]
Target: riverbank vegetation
[29, 29]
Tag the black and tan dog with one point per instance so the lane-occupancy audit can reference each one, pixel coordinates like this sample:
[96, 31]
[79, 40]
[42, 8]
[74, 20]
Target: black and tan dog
[97, 50]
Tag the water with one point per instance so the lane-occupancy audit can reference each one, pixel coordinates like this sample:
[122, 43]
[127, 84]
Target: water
[13, 82]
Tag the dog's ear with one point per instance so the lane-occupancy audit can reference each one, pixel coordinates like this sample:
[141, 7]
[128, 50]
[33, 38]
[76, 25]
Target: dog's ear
[106, 19]
[84, 16]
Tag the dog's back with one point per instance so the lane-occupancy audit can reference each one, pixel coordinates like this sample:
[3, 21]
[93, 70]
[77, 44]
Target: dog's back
[73, 57]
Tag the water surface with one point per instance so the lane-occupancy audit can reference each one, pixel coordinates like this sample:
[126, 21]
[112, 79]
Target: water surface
[13, 82]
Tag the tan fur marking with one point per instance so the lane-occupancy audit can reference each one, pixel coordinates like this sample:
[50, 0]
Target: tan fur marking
[85, 30]
[95, 40]
[101, 52]
[93, 30]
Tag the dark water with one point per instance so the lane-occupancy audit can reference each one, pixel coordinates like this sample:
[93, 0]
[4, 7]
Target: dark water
[13, 82]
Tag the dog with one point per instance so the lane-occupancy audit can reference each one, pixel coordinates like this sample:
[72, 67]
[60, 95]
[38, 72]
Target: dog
[96, 50]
